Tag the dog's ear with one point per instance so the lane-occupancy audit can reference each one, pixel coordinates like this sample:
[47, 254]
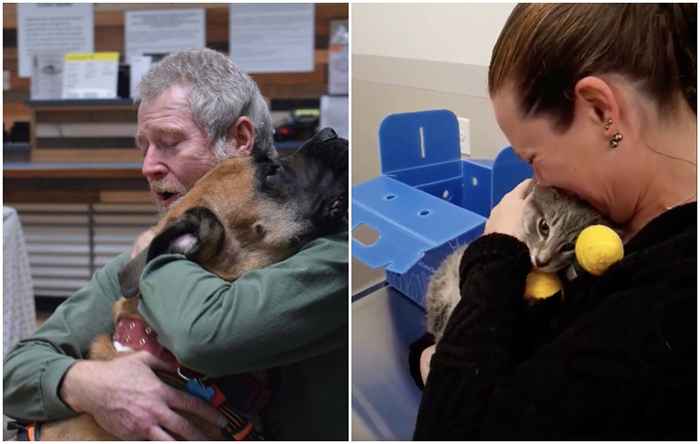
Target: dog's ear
[330, 149]
[129, 275]
[330, 152]
[197, 233]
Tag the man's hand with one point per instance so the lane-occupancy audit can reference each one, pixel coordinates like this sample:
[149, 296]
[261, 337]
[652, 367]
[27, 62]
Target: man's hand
[128, 400]
[507, 216]
[142, 242]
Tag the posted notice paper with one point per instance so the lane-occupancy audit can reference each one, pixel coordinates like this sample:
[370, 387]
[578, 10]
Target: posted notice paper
[163, 31]
[267, 38]
[338, 58]
[90, 75]
[139, 67]
[47, 76]
[334, 114]
[47, 27]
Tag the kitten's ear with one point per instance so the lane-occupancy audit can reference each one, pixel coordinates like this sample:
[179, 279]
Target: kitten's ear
[529, 190]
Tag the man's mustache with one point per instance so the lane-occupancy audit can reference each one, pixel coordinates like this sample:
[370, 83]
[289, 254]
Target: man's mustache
[164, 187]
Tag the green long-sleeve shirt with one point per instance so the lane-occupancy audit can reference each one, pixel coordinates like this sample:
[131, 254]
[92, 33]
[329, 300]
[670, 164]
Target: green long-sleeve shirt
[289, 318]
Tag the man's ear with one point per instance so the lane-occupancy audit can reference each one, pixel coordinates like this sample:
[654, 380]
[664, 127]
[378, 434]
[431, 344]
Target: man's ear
[241, 137]
[599, 98]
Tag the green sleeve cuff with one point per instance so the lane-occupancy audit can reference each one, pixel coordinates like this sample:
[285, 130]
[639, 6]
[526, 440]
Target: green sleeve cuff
[50, 382]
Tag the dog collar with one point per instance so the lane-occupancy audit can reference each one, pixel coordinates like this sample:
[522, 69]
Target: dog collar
[135, 334]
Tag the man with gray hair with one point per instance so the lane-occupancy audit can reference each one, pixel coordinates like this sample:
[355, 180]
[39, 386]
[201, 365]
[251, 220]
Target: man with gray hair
[290, 319]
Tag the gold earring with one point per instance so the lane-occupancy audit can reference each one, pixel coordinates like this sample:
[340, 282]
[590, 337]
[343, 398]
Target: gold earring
[608, 124]
[615, 140]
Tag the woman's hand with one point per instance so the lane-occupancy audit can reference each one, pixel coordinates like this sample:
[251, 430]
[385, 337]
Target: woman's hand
[507, 216]
[425, 358]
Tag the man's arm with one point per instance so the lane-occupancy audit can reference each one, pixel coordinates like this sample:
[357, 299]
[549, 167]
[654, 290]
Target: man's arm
[35, 367]
[47, 377]
[284, 313]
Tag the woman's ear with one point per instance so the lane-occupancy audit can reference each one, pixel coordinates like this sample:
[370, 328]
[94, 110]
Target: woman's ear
[241, 137]
[599, 99]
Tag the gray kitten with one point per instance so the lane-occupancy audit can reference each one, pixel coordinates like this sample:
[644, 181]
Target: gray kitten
[552, 220]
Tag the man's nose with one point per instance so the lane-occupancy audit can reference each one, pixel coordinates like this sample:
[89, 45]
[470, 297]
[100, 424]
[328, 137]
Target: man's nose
[153, 166]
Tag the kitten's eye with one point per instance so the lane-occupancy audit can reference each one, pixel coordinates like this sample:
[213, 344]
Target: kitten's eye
[543, 227]
[567, 247]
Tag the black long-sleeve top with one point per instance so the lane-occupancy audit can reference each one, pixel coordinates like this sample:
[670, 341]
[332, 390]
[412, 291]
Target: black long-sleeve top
[614, 358]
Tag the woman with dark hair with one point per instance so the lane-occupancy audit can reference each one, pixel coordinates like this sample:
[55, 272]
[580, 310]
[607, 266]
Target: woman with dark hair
[601, 100]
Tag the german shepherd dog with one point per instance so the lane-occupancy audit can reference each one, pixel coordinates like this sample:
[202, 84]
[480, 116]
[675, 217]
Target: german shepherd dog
[246, 213]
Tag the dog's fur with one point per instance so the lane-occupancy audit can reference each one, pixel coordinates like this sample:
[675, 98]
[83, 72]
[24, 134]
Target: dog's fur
[246, 213]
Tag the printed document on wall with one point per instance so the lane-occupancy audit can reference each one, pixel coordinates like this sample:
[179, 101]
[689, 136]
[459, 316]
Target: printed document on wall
[163, 31]
[47, 76]
[90, 75]
[268, 38]
[53, 27]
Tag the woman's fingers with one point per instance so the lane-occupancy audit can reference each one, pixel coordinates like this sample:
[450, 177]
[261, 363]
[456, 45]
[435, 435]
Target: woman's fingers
[524, 188]
[506, 217]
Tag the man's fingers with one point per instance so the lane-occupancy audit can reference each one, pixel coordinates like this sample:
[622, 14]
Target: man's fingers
[180, 426]
[189, 403]
[156, 433]
[150, 360]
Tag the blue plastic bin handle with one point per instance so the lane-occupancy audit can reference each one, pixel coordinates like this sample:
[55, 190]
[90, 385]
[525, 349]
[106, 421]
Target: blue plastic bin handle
[410, 140]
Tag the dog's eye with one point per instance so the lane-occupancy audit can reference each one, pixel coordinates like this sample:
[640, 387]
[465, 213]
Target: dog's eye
[259, 230]
[336, 207]
[273, 169]
[272, 173]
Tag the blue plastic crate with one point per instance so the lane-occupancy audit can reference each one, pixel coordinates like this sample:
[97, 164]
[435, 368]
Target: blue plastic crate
[428, 201]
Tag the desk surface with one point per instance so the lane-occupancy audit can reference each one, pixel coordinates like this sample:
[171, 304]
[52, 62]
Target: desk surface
[385, 399]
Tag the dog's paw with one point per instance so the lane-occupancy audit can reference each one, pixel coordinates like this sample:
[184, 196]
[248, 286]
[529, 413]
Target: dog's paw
[184, 244]
[197, 233]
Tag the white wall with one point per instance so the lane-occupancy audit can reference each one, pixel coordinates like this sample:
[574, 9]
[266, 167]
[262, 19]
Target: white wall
[457, 33]
[411, 57]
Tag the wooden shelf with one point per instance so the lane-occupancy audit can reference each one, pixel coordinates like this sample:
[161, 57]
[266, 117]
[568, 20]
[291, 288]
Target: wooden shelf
[82, 182]
[77, 170]
[81, 104]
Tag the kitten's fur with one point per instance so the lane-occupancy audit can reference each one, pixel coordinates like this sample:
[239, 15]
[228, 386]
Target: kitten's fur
[552, 220]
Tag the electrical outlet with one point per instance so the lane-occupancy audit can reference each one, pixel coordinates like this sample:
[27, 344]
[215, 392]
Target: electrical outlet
[465, 146]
